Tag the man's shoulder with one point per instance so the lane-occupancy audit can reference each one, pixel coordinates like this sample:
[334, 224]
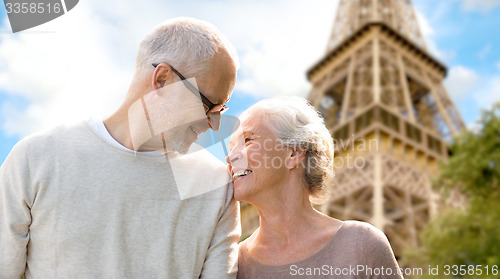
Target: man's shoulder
[41, 145]
[59, 132]
[55, 137]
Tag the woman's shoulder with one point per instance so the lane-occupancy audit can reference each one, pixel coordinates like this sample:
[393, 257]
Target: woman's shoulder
[367, 238]
[363, 230]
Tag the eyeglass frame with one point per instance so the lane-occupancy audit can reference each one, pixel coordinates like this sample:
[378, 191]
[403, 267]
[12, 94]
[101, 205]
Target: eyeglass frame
[206, 102]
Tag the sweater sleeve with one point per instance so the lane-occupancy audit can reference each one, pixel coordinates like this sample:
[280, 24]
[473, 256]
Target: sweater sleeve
[378, 256]
[222, 257]
[15, 215]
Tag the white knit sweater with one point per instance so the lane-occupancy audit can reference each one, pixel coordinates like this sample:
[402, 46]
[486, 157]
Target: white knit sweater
[74, 206]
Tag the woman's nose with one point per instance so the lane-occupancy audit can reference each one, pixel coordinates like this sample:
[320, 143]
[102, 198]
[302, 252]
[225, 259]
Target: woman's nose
[233, 157]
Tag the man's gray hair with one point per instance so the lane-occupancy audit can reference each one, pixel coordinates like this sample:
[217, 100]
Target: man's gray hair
[187, 44]
[299, 125]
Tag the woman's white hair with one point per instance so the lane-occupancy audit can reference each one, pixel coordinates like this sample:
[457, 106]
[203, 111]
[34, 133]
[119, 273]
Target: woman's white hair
[298, 125]
[187, 44]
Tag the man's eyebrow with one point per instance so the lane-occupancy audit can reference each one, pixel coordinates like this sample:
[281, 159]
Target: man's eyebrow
[221, 102]
[225, 101]
[218, 102]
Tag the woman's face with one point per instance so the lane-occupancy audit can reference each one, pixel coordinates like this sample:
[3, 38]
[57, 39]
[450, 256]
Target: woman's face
[256, 159]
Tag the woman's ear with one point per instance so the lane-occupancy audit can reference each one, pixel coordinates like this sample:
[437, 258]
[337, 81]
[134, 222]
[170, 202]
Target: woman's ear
[295, 157]
[161, 75]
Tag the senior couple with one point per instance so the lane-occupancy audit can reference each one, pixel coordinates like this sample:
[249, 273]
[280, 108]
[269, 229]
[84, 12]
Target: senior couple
[131, 197]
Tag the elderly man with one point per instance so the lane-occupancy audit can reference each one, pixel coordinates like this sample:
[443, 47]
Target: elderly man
[116, 198]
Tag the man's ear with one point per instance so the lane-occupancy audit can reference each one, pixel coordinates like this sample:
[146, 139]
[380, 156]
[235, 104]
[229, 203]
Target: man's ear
[296, 156]
[161, 76]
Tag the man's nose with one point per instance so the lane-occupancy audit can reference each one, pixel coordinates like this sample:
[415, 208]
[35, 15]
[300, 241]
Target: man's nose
[214, 121]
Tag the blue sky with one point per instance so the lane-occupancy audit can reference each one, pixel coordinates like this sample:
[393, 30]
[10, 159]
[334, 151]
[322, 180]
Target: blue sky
[80, 64]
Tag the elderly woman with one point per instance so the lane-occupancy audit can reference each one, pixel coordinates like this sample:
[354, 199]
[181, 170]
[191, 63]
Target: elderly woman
[281, 159]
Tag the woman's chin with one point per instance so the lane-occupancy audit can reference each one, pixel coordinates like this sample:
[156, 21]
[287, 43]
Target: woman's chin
[241, 187]
[239, 195]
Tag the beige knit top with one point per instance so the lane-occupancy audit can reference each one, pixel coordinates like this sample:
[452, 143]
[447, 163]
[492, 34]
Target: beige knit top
[357, 250]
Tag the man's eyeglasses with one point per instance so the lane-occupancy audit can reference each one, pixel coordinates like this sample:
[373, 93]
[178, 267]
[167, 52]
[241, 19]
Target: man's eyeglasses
[212, 110]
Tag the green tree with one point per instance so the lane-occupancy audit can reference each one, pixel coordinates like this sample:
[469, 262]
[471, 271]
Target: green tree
[469, 236]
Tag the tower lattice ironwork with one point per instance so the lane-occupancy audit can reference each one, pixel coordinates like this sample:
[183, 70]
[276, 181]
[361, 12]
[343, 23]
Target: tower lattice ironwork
[382, 97]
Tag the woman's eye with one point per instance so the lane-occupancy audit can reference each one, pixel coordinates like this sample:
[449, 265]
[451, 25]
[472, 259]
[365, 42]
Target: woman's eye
[248, 139]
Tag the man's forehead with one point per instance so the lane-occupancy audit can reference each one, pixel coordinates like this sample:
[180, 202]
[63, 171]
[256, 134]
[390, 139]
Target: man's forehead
[222, 101]
[221, 78]
[216, 98]
[227, 99]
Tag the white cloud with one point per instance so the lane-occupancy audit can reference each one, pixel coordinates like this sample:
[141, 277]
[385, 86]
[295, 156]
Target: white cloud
[489, 94]
[81, 63]
[428, 33]
[461, 81]
[425, 27]
[480, 5]
[471, 90]
[284, 39]
[63, 69]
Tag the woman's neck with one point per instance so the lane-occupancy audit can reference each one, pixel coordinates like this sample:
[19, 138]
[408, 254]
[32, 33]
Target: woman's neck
[285, 221]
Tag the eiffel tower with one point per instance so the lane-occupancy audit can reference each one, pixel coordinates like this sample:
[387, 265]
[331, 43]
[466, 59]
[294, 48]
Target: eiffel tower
[382, 97]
